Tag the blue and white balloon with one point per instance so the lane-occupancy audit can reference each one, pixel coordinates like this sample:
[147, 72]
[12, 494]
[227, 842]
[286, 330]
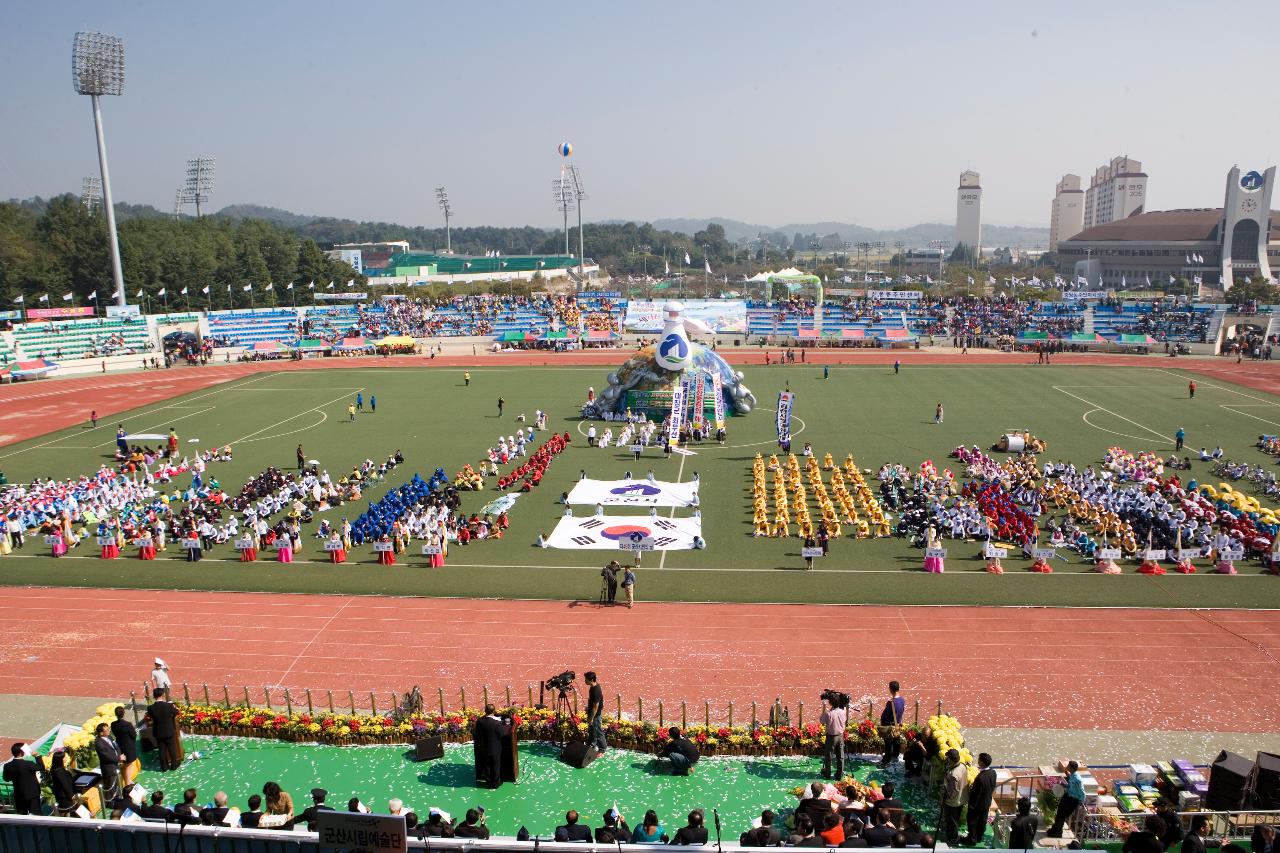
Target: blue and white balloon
[565, 149]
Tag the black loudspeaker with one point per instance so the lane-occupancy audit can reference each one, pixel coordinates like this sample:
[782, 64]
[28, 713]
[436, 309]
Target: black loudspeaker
[427, 748]
[1229, 779]
[1266, 781]
[578, 754]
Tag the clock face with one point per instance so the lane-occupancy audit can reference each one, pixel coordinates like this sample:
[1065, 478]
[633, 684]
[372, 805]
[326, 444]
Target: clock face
[1248, 205]
[1251, 181]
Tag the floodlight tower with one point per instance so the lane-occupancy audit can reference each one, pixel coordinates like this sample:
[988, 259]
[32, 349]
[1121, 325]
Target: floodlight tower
[97, 68]
[91, 194]
[199, 184]
[443, 198]
[563, 191]
[575, 183]
[178, 197]
[940, 245]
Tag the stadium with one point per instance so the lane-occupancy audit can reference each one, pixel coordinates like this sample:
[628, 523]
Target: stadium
[861, 376]
[506, 548]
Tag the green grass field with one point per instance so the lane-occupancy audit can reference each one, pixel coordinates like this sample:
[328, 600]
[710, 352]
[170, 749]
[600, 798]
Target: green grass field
[866, 411]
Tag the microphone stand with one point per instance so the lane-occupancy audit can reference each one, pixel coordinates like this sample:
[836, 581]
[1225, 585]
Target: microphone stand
[716, 814]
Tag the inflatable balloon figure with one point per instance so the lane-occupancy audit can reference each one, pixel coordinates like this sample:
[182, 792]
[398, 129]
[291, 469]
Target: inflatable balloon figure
[659, 367]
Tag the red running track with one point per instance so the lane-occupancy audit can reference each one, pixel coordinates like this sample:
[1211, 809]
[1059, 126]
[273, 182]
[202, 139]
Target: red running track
[31, 409]
[1019, 667]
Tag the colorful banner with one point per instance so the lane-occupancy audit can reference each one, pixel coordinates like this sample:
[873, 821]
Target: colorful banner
[118, 311]
[895, 295]
[785, 400]
[602, 532]
[633, 493]
[722, 315]
[700, 399]
[11, 315]
[49, 313]
[717, 393]
[335, 297]
[679, 401]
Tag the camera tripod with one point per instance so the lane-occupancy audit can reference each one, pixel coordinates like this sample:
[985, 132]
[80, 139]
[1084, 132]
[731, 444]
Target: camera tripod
[563, 716]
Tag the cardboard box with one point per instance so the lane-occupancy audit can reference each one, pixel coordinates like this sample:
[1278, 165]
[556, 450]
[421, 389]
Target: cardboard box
[1142, 773]
[1188, 801]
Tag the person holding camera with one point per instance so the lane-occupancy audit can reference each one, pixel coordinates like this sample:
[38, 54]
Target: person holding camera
[610, 575]
[834, 719]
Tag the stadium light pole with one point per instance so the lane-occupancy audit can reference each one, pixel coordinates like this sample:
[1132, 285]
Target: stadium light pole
[564, 203]
[578, 195]
[939, 245]
[900, 246]
[442, 197]
[97, 68]
[199, 184]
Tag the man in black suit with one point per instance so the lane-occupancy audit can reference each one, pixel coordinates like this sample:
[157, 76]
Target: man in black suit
[156, 809]
[764, 835]
[487, 737]
[572, 830]
[310, 814]
[614, 830]
[1193, 841]
[694, 832]
[880, 835]
[163, 717]
[981, 791]
[127, 742]
[108, 760]
[23, 774]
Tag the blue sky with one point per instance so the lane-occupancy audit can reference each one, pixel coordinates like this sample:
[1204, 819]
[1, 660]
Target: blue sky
[765, 112]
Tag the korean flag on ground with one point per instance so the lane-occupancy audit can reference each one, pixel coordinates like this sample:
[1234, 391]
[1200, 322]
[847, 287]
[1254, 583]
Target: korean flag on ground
[634, 493]
[604, 533]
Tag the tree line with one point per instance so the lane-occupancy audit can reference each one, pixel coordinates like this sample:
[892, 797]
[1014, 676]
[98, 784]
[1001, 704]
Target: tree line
[57, 246]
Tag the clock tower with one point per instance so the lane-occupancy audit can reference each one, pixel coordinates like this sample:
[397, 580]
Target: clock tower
[1246, 225]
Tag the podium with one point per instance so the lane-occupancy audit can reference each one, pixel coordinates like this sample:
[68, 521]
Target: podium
[510, 755]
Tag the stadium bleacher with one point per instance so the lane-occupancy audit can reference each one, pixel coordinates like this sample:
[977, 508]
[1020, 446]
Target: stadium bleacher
[409, 263]
[67, 339]
[246, 328]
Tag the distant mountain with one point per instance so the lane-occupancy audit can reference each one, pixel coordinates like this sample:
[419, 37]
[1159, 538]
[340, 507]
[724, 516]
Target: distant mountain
[913, 236]
[271, 214]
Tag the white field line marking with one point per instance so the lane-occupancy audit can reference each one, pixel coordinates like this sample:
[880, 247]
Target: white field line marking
[323, 417]
[291, 417]
[142, 413]
[679, 476]
[316, 636]
[1262, 400]
[1236, 409]
[1085, 418]
[1113, 414]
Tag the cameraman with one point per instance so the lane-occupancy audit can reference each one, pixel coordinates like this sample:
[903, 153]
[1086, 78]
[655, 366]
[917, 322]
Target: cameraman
[834, 718]
[595, 712]
[610, 575]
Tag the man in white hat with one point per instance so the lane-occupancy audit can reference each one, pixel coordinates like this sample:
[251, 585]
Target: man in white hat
[160, 675]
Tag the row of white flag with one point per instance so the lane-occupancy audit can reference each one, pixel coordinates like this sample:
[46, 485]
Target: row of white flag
[93, 297]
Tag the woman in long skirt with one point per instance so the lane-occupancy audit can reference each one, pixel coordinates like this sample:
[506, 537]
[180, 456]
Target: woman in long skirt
[933, 565]
[339, 555]
[284, 549]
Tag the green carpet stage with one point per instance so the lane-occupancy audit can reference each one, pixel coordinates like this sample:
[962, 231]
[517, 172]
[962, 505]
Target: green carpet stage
[739, 787]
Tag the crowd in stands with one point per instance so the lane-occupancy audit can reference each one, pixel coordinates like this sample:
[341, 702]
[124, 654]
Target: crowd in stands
[1166, 324]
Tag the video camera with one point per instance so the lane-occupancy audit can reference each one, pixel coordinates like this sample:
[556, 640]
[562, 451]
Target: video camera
[835, 698]
[561, 681]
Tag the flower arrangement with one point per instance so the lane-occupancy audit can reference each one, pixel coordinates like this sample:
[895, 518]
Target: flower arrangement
[531, 723]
